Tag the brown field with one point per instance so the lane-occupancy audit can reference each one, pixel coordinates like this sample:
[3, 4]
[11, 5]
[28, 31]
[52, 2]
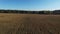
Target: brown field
[29, 24]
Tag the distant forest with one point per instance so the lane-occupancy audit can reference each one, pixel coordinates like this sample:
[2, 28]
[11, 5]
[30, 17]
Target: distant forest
[30, 12]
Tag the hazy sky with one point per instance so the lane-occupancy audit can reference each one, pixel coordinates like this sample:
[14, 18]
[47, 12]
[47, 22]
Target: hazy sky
[30, 4]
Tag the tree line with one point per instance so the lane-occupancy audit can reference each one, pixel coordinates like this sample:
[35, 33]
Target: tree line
[30, 12]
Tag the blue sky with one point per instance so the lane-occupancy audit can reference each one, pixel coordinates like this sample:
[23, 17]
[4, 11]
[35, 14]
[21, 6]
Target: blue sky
[30, 4]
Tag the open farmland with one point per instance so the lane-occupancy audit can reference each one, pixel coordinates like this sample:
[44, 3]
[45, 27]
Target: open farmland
[29, 24]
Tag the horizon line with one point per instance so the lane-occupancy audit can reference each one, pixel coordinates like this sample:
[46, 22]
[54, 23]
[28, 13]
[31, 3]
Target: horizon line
[31, 10]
